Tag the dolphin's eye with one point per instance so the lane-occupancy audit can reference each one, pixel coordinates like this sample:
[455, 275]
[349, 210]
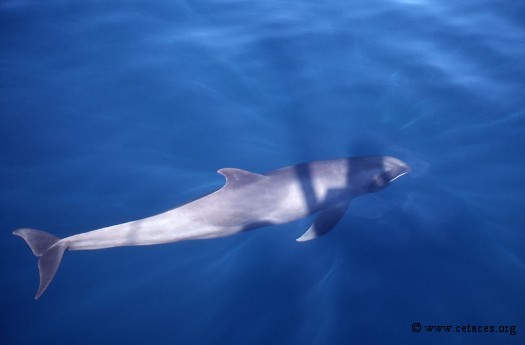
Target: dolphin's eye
[379, 182]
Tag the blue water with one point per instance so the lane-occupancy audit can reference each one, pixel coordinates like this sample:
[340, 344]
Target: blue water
[117, 110]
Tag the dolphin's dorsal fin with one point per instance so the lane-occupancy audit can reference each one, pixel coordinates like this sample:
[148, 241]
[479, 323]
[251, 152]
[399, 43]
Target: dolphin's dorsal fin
[325, 221]
[238, 176]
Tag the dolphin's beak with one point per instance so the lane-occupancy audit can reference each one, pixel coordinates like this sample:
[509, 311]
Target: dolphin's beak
[394, 168]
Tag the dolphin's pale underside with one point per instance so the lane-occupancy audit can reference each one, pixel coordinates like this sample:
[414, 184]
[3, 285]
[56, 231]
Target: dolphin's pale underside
[246, 201]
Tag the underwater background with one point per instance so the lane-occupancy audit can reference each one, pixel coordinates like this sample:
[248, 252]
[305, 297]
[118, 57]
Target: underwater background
[117, 110]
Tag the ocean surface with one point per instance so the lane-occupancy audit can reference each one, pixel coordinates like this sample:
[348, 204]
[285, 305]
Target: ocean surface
[113, 111]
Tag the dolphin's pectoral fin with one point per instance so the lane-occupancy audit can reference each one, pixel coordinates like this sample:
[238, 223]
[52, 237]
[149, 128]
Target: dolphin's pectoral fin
[238, 176]
[325, 221]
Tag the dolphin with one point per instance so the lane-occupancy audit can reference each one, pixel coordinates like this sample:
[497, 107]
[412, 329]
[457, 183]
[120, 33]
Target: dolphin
[246, 201]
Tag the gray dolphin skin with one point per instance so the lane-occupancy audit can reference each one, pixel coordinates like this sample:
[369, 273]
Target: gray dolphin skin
[246, 201]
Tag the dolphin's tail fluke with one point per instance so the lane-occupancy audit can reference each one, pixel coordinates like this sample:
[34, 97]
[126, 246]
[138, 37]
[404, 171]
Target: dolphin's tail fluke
[50, 250]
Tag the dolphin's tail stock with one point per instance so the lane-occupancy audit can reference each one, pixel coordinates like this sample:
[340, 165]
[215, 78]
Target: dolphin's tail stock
[50, 250]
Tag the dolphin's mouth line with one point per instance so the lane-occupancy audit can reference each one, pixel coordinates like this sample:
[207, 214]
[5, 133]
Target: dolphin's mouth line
[394, 168]
[398, 170]
[398, 176]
